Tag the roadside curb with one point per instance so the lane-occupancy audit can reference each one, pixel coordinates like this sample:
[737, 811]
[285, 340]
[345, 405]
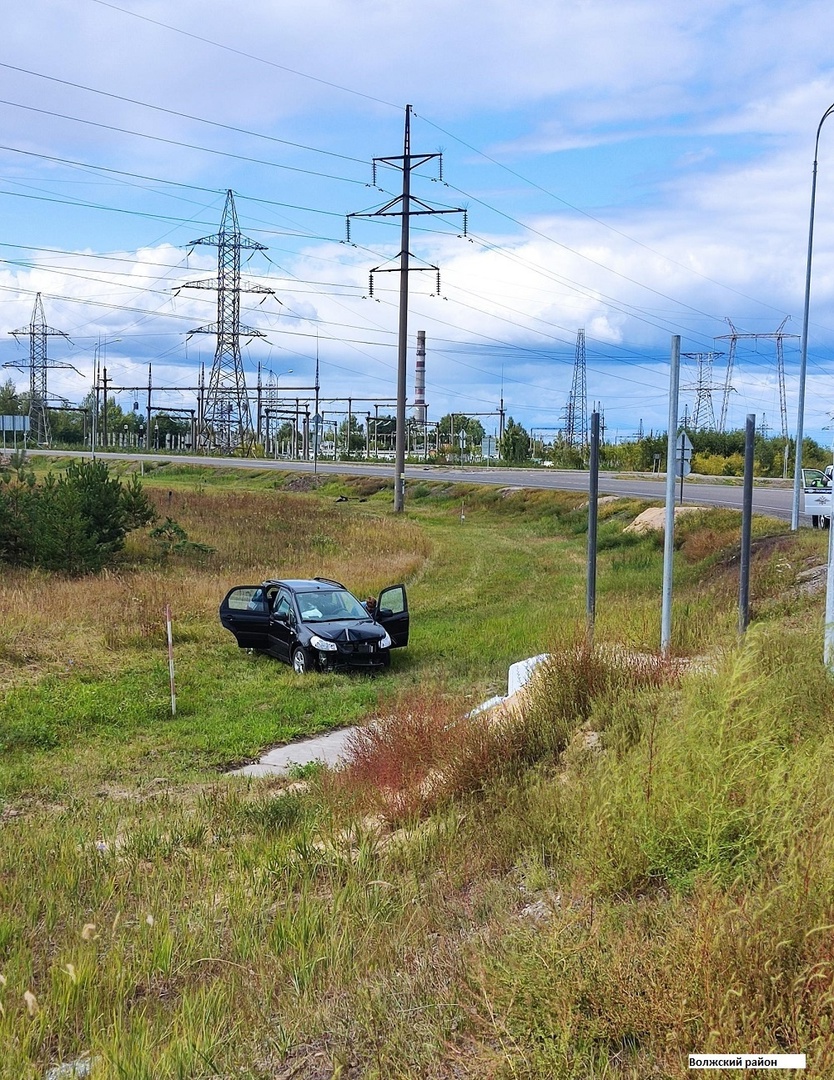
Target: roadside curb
[329, 749]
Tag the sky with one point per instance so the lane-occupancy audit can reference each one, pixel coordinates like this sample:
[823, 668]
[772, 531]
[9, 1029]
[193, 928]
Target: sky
[636, 170]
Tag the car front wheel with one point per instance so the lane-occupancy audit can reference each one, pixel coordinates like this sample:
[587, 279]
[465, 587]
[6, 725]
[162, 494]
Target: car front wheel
[300, 660]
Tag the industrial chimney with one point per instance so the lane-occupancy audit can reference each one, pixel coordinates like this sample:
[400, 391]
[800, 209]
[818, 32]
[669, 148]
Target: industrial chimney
[420, 411]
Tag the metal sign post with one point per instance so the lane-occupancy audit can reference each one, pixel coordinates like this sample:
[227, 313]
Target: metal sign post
[669, 531]
[593, 518]
[683, 458]
[746, 525]
[171, 659]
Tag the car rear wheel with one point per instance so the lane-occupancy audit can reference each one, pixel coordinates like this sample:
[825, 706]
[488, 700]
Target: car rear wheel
[300, 660]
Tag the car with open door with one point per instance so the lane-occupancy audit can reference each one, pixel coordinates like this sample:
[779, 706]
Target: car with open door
[817, 501]
[317, 625]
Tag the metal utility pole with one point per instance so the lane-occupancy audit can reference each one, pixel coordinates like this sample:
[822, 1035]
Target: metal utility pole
[226, 417]
[104, 382]
[37, 332]
[703, 416]
[405, 207]
[316, 417]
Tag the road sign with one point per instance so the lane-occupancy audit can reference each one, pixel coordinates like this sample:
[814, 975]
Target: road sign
[683, 455]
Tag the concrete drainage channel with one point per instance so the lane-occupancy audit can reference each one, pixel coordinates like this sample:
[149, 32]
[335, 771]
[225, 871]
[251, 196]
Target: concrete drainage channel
[330, 749]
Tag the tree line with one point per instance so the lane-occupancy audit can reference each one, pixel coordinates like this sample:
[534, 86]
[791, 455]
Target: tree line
[70, 426]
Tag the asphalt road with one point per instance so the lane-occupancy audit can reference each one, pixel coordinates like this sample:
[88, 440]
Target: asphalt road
[773, 497]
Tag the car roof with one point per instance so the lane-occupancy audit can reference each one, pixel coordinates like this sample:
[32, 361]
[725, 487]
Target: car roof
[306, 584]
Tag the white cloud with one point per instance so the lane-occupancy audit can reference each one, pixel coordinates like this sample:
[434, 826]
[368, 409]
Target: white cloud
[690, 127]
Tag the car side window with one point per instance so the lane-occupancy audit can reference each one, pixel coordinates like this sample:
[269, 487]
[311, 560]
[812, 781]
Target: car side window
[391, 601]
[246, 599]
[283, 608]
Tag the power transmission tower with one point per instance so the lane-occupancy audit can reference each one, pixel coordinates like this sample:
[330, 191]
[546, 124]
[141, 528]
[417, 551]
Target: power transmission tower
[576, 428]
[779, 337]
[405, 207]
[227, 419]
[38, 364]
[568, 417]
[703, 416]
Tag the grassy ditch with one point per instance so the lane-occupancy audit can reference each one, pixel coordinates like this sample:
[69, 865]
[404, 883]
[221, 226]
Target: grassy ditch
[636, 866]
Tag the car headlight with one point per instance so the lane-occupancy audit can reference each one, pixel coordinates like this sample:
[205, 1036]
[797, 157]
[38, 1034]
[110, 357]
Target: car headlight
[322, 645]
[385, 642]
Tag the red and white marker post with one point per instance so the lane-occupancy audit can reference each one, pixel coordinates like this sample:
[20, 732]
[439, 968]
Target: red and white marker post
[171, 660]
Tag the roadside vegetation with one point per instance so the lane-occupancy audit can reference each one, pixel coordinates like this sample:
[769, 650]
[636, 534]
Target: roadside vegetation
[75, 522]
[635, 865]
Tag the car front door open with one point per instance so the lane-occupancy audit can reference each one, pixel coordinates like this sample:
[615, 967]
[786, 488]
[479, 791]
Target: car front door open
[392, 613]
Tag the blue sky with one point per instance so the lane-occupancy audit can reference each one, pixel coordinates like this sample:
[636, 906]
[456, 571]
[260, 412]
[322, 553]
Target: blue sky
[636, 170]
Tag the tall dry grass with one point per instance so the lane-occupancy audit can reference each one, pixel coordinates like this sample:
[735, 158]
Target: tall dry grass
[51, 623]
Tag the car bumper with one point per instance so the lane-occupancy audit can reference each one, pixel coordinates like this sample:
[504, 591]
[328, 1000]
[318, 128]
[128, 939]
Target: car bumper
[375, 660]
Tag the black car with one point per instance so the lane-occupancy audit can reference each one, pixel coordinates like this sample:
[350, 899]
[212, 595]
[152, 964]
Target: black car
[317, 624]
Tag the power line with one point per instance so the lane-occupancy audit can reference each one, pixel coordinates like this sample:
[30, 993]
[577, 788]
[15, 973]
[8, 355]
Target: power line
[178, 142]
[182, 115]
[247, 55]
[159, 180]
[592, 217]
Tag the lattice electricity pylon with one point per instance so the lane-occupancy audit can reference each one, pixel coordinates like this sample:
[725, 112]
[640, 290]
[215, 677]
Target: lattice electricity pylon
[778, 336]
[703, 415]
[567, 416]
[37, 332]
[227, 418]
[576, 428]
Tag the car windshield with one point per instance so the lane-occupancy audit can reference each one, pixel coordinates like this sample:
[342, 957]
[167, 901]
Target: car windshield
[332, 604]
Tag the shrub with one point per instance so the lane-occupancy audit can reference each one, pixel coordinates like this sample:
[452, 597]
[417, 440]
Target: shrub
[75, 523]
[420, 754]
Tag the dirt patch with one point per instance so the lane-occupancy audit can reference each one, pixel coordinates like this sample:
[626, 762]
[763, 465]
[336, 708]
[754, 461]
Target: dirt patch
[302, 482]
[760, 546]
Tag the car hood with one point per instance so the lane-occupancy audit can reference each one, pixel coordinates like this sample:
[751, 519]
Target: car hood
[365, 630]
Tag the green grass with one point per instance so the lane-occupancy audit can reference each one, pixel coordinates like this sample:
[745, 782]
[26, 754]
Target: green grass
[637, 866]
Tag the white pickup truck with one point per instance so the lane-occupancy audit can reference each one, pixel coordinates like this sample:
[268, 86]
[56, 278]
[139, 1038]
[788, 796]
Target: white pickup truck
[817, 488]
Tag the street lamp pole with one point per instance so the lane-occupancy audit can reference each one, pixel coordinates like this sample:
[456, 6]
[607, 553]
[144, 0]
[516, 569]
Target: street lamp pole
[803, 348]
